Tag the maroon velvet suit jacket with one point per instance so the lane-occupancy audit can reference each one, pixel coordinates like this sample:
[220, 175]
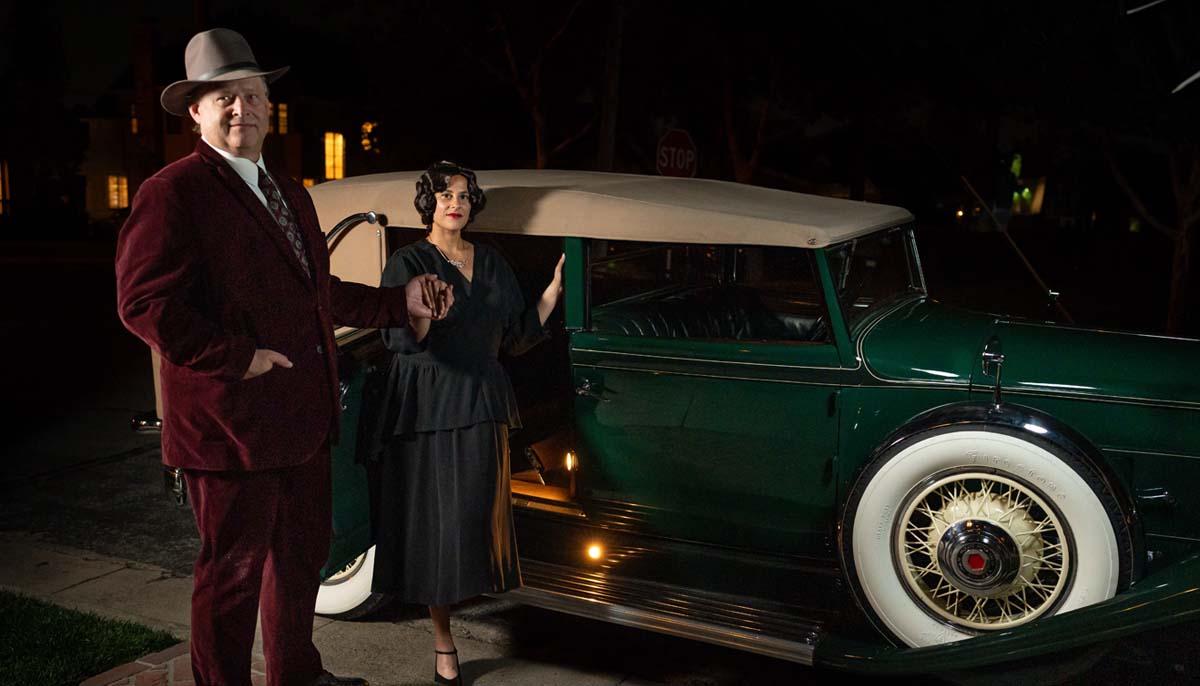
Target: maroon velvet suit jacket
[205, 276]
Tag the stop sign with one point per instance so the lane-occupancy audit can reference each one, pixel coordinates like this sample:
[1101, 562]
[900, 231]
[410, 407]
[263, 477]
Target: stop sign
[676, 154]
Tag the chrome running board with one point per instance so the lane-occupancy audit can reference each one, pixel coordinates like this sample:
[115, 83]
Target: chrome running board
[668, 609]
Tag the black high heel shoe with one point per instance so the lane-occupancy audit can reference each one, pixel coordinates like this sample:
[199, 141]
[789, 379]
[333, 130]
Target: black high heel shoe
[456, 680]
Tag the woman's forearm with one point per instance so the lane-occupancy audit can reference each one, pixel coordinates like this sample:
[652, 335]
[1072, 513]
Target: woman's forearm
[420, 327]
[545, 306]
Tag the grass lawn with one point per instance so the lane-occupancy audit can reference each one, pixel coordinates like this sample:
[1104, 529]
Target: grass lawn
[42, 643]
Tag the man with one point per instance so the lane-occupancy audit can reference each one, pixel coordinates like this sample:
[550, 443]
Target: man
[223, 270]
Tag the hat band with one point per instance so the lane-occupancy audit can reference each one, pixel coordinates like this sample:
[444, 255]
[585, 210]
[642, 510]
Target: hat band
[210, 75]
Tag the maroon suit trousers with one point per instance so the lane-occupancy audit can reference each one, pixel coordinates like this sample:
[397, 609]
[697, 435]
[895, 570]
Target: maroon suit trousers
[264, 536]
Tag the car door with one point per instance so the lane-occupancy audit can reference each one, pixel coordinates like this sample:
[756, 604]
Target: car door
[706, 400]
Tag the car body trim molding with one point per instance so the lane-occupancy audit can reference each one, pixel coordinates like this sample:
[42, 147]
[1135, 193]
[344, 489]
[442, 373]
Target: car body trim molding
[1093, 398]
[1054, 325]
[1174, 538]
[712, 361]
[1124, 451]
[706, 376]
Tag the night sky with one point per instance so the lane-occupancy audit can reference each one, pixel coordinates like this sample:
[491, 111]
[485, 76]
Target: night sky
[894, 102]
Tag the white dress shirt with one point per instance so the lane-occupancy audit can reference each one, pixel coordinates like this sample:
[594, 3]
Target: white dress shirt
[246, 169]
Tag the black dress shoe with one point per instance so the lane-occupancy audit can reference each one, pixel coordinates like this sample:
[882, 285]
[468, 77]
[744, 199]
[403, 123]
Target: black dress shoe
[328, 679]
[455, 680]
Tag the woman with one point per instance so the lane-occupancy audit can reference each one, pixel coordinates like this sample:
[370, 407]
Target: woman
[445, 518]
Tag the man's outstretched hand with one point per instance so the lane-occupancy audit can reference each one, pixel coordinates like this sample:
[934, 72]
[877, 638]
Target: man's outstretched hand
[428, 297]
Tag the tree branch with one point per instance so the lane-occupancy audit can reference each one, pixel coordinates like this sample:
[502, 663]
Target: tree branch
[1176, 183]
[760, 134]
[727, 113]
[558, 34]
[578, 134]
[1191, 187]
[514, 71]
[1133, 196]
[1190, 221]
[488, 66]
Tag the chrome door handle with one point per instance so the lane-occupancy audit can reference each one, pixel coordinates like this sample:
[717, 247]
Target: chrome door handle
[588, 390]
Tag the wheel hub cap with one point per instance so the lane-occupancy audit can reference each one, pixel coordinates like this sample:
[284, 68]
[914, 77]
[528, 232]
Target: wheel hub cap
[978, 557]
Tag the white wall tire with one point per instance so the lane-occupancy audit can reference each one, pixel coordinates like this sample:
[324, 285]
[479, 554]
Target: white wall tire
[959, 532]
[347, 594]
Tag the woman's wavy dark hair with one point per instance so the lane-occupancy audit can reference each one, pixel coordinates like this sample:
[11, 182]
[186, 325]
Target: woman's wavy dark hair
[435, 180]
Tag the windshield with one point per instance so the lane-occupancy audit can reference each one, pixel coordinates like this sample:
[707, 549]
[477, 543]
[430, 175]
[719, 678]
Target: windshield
[872, 271]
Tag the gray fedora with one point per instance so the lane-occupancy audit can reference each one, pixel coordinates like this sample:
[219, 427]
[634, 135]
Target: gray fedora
[211, 57]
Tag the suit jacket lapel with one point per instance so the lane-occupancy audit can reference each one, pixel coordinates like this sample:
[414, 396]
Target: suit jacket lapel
[254, 206]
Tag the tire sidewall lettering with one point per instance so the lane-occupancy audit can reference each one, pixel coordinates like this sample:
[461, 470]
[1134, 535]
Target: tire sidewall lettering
[1044, 483]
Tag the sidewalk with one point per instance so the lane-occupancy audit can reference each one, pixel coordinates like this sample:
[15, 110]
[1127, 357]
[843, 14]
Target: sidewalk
[384, 652]
[111, 588]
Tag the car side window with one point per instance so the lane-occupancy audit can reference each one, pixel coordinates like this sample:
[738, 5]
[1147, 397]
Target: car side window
[627, 270]
[744, 293]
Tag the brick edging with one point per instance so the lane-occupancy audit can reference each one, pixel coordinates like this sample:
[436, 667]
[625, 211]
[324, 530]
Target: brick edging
[123, 672]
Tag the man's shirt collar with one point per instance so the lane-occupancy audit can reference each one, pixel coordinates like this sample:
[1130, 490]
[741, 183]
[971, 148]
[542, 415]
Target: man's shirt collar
[245, 168]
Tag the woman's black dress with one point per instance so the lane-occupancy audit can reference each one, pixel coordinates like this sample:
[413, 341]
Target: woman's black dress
[445, 510]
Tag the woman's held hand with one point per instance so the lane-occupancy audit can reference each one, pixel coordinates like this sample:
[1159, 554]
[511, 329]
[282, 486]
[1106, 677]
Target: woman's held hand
[428, 297]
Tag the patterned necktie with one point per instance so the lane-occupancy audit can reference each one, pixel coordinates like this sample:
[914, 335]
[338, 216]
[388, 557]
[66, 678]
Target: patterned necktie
[281, 214]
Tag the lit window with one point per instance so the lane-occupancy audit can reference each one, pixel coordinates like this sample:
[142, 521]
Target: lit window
[118, 192]
[281, 114]
[369, 140]
[335, 155]
[309, 183]
[133, 121]
[5, 198]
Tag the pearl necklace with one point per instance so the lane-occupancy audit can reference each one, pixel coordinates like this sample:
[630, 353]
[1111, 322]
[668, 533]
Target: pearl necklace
[457, 263]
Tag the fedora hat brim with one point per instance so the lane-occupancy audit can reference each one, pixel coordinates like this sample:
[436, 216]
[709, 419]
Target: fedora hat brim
[175, 96]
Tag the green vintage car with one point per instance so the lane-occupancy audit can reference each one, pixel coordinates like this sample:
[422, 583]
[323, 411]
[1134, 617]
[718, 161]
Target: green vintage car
[755, 427]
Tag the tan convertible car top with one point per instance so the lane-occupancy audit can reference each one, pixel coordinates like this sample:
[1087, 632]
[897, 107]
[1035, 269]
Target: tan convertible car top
[618, 207]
